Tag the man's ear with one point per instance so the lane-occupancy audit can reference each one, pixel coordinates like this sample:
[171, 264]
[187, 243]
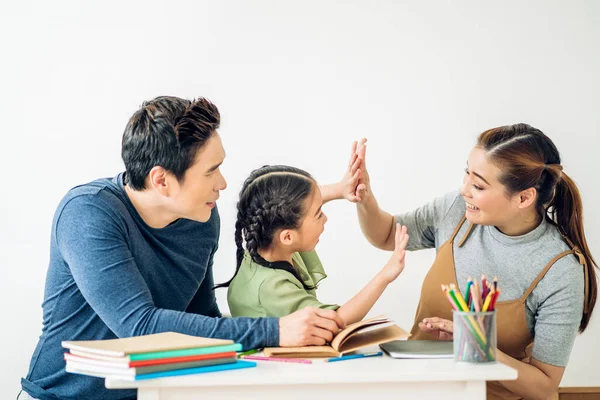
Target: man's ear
[159, 179]
[527, 198]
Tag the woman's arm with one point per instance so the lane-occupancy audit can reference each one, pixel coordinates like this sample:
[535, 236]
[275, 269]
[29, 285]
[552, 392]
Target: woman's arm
[377, 225]
[536, 380]
[356, 308]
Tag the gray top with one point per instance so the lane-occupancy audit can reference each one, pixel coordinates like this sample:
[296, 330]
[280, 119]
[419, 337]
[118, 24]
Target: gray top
[553, 309]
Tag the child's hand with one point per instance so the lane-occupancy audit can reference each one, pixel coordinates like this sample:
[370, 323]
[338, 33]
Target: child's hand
[351, 178]
[395, 266]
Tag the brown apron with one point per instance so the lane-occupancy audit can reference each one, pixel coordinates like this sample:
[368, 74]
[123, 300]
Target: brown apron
[513, 334]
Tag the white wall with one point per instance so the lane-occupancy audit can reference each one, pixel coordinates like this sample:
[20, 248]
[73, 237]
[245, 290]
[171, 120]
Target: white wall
[296, 82]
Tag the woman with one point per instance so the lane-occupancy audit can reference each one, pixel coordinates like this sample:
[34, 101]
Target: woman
[518, 216]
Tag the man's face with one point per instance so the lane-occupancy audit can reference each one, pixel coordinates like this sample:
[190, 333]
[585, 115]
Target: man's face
[196, 194]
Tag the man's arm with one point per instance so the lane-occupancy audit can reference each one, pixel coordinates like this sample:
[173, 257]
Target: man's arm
[93, 244]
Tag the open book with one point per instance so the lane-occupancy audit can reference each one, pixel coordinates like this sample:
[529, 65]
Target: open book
[361, 334]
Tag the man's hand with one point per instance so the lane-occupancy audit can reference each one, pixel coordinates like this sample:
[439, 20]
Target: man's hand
[309, 326]
[442, 328]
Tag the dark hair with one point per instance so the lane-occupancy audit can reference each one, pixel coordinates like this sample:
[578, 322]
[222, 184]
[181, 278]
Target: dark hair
[529, 159]
[272, 198]
[166, 131]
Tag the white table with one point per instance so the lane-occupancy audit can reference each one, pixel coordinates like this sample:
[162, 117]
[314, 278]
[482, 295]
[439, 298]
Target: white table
[364, 379]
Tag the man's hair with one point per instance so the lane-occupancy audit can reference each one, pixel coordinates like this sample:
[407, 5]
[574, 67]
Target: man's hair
[166, 131]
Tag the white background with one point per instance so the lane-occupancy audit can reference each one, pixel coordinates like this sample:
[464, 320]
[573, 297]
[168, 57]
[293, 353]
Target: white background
[296, 82]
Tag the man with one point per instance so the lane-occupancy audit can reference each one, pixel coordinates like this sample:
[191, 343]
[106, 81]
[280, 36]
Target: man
[133, 255]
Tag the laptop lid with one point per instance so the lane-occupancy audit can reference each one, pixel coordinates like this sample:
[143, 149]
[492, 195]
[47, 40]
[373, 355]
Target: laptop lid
[419, 348]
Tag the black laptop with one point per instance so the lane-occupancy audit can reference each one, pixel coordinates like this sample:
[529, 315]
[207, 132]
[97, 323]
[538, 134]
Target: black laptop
[419, 348]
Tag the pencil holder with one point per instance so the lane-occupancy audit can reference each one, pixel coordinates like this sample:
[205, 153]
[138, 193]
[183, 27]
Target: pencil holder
[475, 336]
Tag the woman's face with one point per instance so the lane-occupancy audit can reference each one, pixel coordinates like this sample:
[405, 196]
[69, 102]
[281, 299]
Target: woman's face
[488, 202]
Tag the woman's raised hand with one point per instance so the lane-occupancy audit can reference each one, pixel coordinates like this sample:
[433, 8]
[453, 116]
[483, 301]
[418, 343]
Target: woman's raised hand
[442, 328]
[351, 179]
[364, 187]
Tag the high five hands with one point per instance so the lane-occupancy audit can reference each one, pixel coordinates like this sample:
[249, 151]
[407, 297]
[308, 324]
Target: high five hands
[355, 183]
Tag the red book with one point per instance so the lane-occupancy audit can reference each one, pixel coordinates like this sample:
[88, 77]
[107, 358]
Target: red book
[123, 361]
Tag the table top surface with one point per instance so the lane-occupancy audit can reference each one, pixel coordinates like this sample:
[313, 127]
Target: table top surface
[361, 370]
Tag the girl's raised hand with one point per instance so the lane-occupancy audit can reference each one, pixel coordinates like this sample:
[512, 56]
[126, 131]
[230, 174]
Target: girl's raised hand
[395, 266]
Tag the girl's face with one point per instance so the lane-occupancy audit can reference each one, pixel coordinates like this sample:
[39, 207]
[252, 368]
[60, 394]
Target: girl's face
[314, 222]
[487, 200]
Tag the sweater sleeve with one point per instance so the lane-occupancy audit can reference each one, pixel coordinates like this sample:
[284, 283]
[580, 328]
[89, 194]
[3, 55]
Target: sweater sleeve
[93, 243]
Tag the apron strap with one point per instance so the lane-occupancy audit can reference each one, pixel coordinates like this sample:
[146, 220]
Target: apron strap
[464, 239]
[541, 274]
[586, 276]
[577, 252]
[460, 224]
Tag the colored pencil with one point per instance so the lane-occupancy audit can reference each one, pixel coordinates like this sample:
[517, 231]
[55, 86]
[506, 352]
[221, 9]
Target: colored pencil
[488, 299]
[354, 356]
[483, 288]
[459, 298]
[278, 359]
[468, 292]
[249, 352]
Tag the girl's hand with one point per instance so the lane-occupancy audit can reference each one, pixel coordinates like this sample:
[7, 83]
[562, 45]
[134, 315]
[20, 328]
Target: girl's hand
[395, 266]
[351, 178]
[442, 328]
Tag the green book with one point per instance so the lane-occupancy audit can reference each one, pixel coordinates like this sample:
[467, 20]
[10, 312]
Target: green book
[185, 352]
[148, 347]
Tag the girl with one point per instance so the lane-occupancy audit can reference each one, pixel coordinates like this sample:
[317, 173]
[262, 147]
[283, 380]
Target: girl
[519, 217]
[280, 220]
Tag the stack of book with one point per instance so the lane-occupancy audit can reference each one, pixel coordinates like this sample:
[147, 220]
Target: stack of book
[152, 356]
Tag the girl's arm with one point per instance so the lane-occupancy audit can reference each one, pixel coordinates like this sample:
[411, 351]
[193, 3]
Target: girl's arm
[332, 191]
[356, 308]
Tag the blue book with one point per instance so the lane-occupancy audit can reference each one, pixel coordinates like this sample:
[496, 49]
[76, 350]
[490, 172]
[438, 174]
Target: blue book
[186, 352]
[212, 368]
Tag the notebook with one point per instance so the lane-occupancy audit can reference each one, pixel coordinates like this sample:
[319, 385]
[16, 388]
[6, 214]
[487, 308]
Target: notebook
[110, 370]
[158, 345]
[213, 368]
[361, 334]
[125, 362]
[419, 348]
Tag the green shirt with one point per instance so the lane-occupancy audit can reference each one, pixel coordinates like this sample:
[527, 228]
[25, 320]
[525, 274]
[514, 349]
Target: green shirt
[258, 291]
